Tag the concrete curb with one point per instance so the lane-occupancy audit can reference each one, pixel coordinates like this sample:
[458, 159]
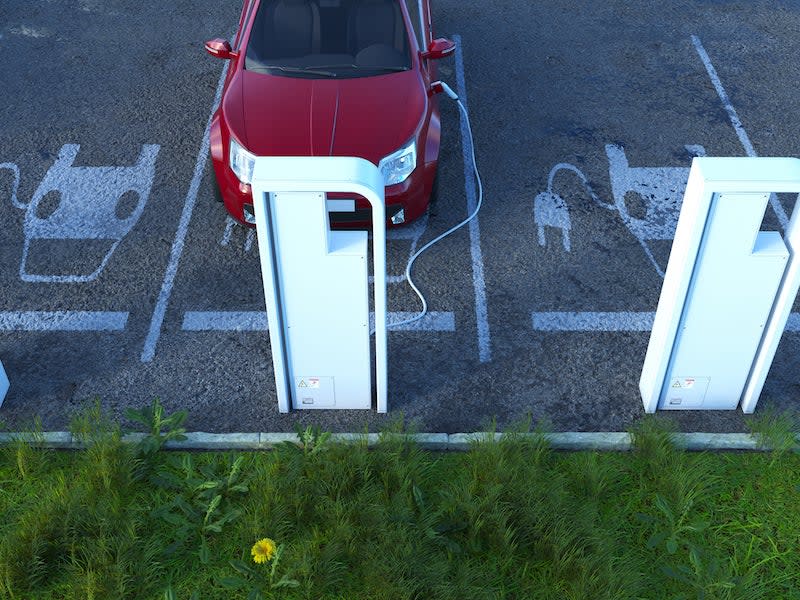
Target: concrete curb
[44, 439]
[716, 441]
[570, 440]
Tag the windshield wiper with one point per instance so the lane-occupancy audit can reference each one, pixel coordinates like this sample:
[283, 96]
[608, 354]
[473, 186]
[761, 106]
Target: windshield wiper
[354, 66]
[309, 70]
[389, 68]
[338, 66]
[318, 69]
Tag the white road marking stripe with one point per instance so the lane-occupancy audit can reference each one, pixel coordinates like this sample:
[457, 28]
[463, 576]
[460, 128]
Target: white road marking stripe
[226, 235]
[243, 320]
[62, 320]
[611, 321]
[257, 321]
[478, 283]
[593, 321]
[736, 122]
[177, 245]
[432, 321]
[389, 279]
[248, 242]
[31, 32]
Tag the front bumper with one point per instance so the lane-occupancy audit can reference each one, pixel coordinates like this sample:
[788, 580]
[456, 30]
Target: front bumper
[411, 196]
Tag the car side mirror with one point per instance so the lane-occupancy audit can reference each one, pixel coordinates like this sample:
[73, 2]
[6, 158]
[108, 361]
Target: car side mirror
[220, 48]
[439, 48]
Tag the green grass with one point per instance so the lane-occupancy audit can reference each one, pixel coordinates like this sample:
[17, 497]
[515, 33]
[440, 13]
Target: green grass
[510, 519]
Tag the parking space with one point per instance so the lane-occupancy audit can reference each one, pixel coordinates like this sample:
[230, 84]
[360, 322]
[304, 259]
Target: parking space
[105, 104]
[585, 121]
[616, 104]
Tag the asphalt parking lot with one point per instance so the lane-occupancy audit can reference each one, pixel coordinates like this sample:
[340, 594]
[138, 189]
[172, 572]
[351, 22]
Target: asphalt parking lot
[537, 311]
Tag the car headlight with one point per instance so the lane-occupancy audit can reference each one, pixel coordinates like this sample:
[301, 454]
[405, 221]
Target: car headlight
[242, 162]
[398, 165]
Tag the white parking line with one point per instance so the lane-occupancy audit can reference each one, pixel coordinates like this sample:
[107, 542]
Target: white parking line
[233, 320]
[723, 95]
[226, 236]
[257, 321]
[432, 321]
[593, 321]
[248, 242]
[736, 122]
[611, 321]
[177, 245]
[31, 32]
[62, 320]
[478, 283]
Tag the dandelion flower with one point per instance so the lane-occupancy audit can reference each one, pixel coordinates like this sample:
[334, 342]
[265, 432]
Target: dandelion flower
[263, 550]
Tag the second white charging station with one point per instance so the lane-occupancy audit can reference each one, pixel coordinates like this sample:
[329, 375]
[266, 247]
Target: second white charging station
[728, 288]
[316, 281]
[3, 384]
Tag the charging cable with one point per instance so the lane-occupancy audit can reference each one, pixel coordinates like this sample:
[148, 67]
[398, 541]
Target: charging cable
[442, 86]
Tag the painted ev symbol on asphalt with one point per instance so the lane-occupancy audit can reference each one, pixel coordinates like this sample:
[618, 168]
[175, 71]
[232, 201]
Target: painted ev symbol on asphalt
[83, 203]
[659, 188]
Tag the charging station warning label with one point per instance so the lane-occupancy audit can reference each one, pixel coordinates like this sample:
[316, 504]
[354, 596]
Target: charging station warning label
[309, 382]
[683, 383]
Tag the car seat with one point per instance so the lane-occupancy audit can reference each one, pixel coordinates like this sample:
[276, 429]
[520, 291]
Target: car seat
[293, 31]
[375, 22]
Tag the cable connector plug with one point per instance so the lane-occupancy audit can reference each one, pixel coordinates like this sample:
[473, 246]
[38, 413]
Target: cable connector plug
[437, 87]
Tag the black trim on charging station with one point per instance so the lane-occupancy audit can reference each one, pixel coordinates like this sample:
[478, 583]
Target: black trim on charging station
[362, 215]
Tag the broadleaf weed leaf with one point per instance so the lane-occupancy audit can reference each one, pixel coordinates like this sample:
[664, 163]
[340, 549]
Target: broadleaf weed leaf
[242, 567]
[672, 545]
[204, 554]
[656, 539]
[232, 583]
[206, 485]
[694, 558]
[286, 582]
[212, 507]
[663, 506]
[255, 594]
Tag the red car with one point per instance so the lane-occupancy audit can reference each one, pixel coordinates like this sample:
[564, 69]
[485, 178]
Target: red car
[331, 78]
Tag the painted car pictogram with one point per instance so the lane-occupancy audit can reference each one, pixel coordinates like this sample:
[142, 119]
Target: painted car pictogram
[81, 204]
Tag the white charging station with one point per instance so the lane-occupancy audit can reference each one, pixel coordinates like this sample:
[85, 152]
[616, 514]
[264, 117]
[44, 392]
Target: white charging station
[3, 383]
[728, 288]
[316, 281]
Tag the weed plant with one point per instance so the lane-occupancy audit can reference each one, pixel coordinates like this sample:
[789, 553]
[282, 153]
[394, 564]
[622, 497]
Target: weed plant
[509, 519]
[75, 525]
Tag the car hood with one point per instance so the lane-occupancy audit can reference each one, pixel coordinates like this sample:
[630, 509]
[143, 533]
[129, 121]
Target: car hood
[368, 117]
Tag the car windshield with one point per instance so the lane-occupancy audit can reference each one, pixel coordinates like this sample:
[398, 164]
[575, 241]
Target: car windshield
[328, 38]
